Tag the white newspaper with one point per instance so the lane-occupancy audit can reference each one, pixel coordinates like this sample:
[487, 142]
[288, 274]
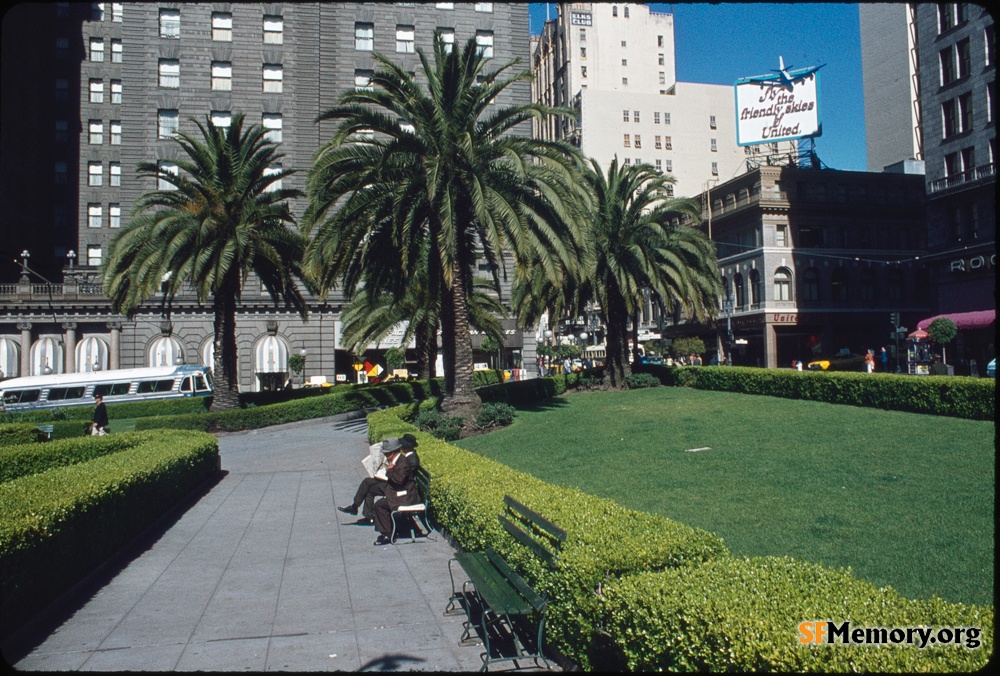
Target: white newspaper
[374, 462]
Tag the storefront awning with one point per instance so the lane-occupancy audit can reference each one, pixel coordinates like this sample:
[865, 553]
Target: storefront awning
[981, 319]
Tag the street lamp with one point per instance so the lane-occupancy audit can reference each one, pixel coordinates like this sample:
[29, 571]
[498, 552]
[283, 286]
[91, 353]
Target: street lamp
[727, 307]
[25, 255]
[304, 353]
[71, 256]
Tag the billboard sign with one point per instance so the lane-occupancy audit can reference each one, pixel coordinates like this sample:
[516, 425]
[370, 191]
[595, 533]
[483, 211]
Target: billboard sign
[778, 107]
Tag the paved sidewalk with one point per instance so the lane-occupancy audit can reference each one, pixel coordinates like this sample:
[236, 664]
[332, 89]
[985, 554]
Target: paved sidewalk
[262, 574]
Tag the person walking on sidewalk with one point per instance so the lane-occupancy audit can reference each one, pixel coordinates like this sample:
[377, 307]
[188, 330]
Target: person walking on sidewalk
[100, 425]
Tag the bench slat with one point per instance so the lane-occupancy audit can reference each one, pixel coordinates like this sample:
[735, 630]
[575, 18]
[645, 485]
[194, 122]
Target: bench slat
[536, 518]
[521, 536]
[496, 591]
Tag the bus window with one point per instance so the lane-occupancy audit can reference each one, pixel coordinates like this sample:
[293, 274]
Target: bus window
[147, 386]
[200, 383]
[60, 393]
[102, 390]
[114, 389]
[164, 385]
[119, 388]
[186, 384]
[21, 396]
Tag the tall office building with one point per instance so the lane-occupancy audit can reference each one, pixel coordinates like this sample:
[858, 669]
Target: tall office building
[92, 90]
[891, 86]
[614, 64]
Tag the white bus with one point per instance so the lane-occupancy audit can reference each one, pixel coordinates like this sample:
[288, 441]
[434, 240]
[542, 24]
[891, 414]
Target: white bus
[79, 389]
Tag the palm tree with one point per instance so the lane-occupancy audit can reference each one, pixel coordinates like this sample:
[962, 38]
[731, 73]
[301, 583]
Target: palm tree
[637, 242]
[219, 218]
[436, 177]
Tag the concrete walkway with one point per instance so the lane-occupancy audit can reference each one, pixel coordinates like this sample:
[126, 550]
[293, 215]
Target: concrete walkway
[263, 574]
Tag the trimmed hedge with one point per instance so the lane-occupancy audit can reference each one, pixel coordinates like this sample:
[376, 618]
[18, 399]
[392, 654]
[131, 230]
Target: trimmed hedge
[743, 614]
[134, 409]
[58, 525]
[34, 458]
[342, 401]
[954, 396]
[19, 433]
[604, 540]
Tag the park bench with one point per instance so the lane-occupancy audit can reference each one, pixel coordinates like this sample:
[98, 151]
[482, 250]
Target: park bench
[495, 598]
[407, 514]
[46, 430]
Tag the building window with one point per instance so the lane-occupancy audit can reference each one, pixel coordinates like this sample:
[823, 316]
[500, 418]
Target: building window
[97, 11]
[363, 79]
[221, 118]
[447, 36]
[714, 146]
[946, 58]
[222, 26]
[62, 90]
[624, 62]
[116, 91]
[364, 36]
[62, 48]
[666, 118]
[991, 101]
[272, 123]
[624, 43]
[715, 168]
[445, 5]
[62, 131]
[583, 71]
[635, 116]
[95, 174]
[274, 30]
[222, 76]
[117, 11]
[756, 290]
[658, 142]
[810, 284]
[663, 78]
[94, 255]
[116, 174]
[628, 161]
[116, 132]
[114, 216]
[484, 6]
[273, 78]
[626, 12]
[96, 132]
[781, 235]
[404, 39]
[166, 167]
[711, 122]
[273, 170]
[963, 58]
[667, 143]
[627, 140]
[61, 173]
[583, 52]
[659, 40]
[484, 43]
[625, 81]
[94, 215]
[894, 286]
[838, 285]
[989, 35]
[945, 18]
[656, 118]
[97, 49]
[965, 112]
[116, 51]
[97, 91]
[660, 60]
[168, 122]
[614, 11]
[782, 284]
[170, 23]
[638, 141]
[170, 73]
[659, 165]
[625, 117]
[668, 165]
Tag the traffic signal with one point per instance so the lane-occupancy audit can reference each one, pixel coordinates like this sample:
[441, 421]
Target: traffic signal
[894, 318]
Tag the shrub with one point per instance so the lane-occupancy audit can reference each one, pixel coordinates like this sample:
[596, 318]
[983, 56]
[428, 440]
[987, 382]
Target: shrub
[19, 433]
[494, 415]
[589, 382]
[635, 381]
[739, 614]
[441, 426]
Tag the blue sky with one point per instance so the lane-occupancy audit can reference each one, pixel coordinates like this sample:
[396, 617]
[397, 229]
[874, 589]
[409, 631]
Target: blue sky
[720, 43]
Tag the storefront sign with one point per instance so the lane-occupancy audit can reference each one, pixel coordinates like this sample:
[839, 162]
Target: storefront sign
[974, 263]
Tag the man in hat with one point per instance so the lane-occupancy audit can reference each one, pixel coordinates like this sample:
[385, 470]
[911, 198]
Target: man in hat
[373, 487]
[400, 486]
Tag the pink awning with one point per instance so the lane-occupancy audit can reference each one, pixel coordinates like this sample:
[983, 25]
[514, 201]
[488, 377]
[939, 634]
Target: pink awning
[981, 319]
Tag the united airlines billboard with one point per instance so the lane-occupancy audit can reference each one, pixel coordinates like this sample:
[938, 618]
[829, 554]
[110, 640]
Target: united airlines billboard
[778, 107]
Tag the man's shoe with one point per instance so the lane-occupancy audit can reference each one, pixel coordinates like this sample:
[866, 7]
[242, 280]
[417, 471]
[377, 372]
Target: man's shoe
[382, 540]
[363, 521]
[349, 510]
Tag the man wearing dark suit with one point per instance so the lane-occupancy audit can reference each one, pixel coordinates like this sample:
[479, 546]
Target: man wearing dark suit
[100, 418]
[401, 487]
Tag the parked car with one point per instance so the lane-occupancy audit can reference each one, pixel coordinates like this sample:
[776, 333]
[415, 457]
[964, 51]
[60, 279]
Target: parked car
[991, 368]
[843, 361]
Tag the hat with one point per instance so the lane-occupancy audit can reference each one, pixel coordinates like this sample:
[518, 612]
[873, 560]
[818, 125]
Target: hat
[409, 441]
[391, 445]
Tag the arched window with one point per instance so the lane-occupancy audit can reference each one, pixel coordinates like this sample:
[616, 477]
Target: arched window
[92, 355]
[165, 351]
[756, 289]
[740, 287]
[782, 284]
[810, 284]
[838, 285]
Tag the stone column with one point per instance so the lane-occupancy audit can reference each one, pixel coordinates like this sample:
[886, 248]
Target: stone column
[114, 356]
[770, 346]
[25, 328]
[70, 346]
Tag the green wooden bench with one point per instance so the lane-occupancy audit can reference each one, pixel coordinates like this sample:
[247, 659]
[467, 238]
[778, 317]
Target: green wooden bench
[46, 430]
[408, 514]
[501, 596]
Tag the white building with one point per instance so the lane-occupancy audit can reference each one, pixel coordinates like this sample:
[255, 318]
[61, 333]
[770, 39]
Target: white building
[614, 63]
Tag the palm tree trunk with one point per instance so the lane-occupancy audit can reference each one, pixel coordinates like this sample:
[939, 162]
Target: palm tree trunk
[616, 364]
[462, 399]
[636, 359]
[226, 369]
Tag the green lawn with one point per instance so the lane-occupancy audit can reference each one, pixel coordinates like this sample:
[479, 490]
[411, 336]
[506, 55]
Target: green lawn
[902, 499]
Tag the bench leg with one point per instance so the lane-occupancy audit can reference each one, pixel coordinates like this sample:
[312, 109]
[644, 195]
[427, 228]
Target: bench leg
[450, 609]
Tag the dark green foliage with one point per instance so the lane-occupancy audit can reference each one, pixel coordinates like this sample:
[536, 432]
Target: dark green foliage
[494, 415]
[59, 524]
[942, 330]
[34, 457]
[21, 433]
[441, 426]
[635, 381]
[485, 377]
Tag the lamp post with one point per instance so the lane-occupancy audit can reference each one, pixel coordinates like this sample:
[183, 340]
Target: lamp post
[25, 255]
[303, 353]
[71, 257]
[548, 360]
[727, 307]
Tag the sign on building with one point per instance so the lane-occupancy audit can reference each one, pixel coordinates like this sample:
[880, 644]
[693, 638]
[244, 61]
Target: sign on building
[778, 107]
